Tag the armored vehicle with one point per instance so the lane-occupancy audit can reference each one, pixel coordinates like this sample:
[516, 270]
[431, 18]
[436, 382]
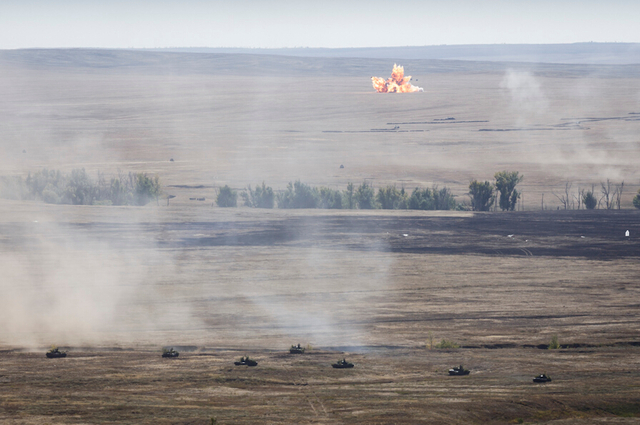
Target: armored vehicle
[458, 371]
[54, 353]
[246, 361]
[342, 364]
[296, 349]
[171, 353]
[542, 378]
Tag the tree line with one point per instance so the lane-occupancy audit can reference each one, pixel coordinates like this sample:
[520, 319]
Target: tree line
[78, 188]
[502, 193]
[609, 198]
[364, 196]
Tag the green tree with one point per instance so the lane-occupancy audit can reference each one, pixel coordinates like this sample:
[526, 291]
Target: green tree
[118, 193]
[506, 182]
[443, 198]
[227, 197]
[261, 197]
[146, 188]
[422, 199]
[50, 196]
[432, 199]
[298, 195]
[636, 200]
[481, 195]
[390, 198]
[589, 200]
[54, 183]
[329, 198]
[79, 188]
[349, 197]
[365, 197]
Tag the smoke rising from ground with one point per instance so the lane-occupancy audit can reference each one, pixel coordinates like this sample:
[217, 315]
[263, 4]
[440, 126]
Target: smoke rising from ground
[525, 92]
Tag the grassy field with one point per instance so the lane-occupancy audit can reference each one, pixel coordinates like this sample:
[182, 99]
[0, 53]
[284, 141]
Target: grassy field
[113, 285]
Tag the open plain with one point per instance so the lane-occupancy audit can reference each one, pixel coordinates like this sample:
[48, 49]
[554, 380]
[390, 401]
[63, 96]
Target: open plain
[113, 285]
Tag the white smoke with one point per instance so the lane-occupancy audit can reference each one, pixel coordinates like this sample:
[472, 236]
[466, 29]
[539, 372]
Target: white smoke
[524, 91]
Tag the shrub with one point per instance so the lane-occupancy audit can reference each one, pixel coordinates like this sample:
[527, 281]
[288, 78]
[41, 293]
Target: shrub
[589, 200]
[365, 197]
[636, 200]
[227, 197]
[390, 198]
[554, 345]
[261, 197]
[506, 182]
[298, 195]
[481, 195]
[447, 344]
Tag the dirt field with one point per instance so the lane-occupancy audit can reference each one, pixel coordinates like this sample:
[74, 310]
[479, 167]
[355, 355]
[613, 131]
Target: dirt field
[113, 285]
[349, 285]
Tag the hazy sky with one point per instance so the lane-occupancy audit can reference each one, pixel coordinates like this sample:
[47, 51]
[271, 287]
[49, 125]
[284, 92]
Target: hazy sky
[255, 23]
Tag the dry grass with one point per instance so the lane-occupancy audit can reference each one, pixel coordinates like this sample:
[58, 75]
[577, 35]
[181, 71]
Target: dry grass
[112, 285]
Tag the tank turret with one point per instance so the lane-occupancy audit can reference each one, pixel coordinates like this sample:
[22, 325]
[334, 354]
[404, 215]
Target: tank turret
[54, 353]
[246, 361]
[542, 378]
[296, 349]
[170, 353]
[459, 371]
[342, 364]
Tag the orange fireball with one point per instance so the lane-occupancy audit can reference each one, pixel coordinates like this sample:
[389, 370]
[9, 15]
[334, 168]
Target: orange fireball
[398, 83]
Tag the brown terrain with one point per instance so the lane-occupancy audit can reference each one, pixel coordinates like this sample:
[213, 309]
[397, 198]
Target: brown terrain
[112, 286]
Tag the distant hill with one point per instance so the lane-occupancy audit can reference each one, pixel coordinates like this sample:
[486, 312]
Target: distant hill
[250, 62]
[577, 53]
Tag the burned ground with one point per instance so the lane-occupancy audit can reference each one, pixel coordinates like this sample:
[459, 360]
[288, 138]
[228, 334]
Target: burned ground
[352, 285]
[114, 285]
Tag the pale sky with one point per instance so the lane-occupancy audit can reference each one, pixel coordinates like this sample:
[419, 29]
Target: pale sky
[274, 24]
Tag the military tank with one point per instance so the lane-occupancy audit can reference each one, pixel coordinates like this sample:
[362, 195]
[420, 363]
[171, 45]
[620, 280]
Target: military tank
[246, 361]
[542, 378]
[459, 371]
[170, 353]
[296, 349]
[342, 364]
[54, 353]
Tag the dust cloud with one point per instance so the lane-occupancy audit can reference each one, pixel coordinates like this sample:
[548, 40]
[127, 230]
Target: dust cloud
[125, 275]
[65, 284]
[525, 92]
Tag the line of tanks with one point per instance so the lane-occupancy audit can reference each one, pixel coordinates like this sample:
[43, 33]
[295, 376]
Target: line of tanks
[295, 349]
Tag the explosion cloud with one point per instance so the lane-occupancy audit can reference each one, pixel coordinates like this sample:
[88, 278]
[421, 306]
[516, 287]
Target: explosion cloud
[397, 83]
